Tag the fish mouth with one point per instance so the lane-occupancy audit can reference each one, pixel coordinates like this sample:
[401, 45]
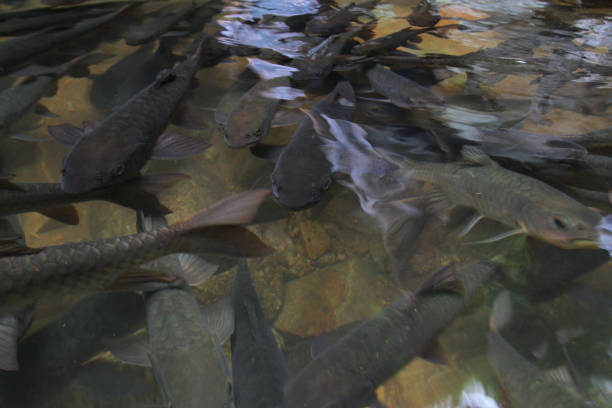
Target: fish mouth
[75, 187]
[583, 243]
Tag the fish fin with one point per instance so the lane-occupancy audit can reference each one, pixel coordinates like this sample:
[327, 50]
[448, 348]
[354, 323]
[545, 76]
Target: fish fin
[172, 146]
[139, 193]
[49, 225]
[470, 225]
[42, 110]
[66, 134]
[287, 118]
[189, 117]
[434, 353]
[143, 280]
[320, 125]
[219, 318]
[12, 328]
[158, 372]
[267, 151]
[562, 376]
[66, 214]
[345, 94]
[28, 138]
[372, 99]
[474, 155]
[228, 240]
[501, 313]
[442, 280]
[498, 237]
[567, 334]
[438, 202]
[196, 270]
[221, 119]
[164, 76]
[133, 349]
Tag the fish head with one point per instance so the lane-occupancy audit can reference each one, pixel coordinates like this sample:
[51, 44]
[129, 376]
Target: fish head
[296, 187]
[95, 163]
[425, 14]
[566, 225]
[329, 391]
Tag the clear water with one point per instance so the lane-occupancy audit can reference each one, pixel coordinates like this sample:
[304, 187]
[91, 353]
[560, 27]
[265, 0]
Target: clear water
[331, 267]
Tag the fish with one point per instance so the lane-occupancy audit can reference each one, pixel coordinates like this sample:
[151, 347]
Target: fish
[425, 14]
[118, 148]
[251, 118]
[113, 263]
[302, 173]
[142, 34]
[258, 365]
[594, 141]
[400, 90]
[524, 383]
[335, 21]
[185, 353]
[347, 373]
[17, 100]
[527, 205]
[50, 200]
[388, 42]
[245, 81]
[131, 74]
[17, 50]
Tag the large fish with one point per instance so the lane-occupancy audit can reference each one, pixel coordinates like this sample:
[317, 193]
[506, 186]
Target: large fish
[151, 30]
[335, 21]
[348, 373]
[114, 262]
[302, 173]
[258, 365]
[49, 199]
[18, 49]
[524, 383]
[116, 149]
[389, 42]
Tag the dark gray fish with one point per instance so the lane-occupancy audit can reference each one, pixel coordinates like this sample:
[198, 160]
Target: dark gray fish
[389, 42]
[245, 81]
[524, 383]
[251, 118]
[302, 173]
[50, 358]
[594, 141]
[16, 50]
[17, 100]
[132, 74]
[335, 21]
[49, 199]
[149, 31]
[121, 144]
[258, 365]
[348, 373]
[115, 263]
[425, 14]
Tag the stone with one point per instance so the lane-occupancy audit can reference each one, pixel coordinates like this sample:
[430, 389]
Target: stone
[316, 239]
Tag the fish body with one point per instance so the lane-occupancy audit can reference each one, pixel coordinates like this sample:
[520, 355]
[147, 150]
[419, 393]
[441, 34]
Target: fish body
[320, 60]
[400, 90]
[513, 199]
[425, 14]
[121, 144]
[251, 119]
[187, 358]
[258, 365]
[388, 42]
[335, 21]
[97, 265]
[147, 32]
[302, 173]
[348, 373]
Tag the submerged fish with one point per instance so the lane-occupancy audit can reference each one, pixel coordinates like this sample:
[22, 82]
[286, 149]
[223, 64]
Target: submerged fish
[388, 42]
[116, 149]
[348, 372]
[114, 262]
[50, 200]
[149, 31]
[258, 365]
[527, 205]
[425, 14]
[335, 21]
[302, 173]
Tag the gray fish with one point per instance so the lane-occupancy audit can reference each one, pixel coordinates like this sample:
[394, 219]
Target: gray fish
[389, 42]
[49, 199]
[348, 373]
[121, 144]
[258, 365]
[302, 173]
[251, 118]
[425, 14]
[524, 383]
[335, 21]
[149, 31]
[245, 81]
[115, 262]
[16, 50]
[17, 100]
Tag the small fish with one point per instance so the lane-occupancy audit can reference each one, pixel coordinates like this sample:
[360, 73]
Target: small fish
[149, 31]
[114, 263]
[425, 14]
[258, 365]
[335, 21]
[16, 50]
[116, 149]
[251, 118]
[302, 173]
[348, 372]
[524, 383]
[389, 42]
[49, 199]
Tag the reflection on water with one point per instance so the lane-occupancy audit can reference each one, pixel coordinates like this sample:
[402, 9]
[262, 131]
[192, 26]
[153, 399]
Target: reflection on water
[526, 81]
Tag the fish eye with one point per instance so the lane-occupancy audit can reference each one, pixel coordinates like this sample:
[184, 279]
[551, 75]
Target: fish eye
[119, 170]
[560, 222]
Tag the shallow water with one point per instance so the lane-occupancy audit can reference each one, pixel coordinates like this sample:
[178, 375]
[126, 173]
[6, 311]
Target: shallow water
[331, 266]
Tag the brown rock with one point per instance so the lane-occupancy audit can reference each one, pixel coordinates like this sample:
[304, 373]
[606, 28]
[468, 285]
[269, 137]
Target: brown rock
[316, 240]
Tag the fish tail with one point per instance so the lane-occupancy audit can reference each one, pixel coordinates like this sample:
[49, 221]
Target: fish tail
[220, 229]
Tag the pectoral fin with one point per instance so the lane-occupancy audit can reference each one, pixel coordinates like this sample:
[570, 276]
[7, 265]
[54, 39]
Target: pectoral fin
[66, 134]
[144, 280]
[219, 318]
[132, 349]
[172, 146]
